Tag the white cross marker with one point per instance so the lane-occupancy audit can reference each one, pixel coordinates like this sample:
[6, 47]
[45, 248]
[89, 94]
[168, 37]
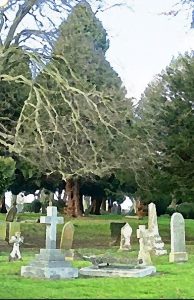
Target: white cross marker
[51, 221]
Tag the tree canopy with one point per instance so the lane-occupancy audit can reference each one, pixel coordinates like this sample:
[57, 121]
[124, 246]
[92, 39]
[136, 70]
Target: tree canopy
[166, 115]
[78, 114]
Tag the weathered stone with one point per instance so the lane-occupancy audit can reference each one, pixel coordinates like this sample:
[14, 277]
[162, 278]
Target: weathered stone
[2, 230]
[178, 249]
[115, 229]
[11, 214]
[126, 232]
[144, 257]
[118, 271]
[156, 241]
[67, 236]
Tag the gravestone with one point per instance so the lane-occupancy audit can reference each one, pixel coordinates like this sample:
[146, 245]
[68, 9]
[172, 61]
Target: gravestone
[119, 209]
[145, 246]
[107, 204]
[126, 232]
[156, 241]
[86, 202]
[177, 228]
[67, 240]
[67, 236]
[115, 229]
[11, 214]
[114, 209]
[2, 230]
[50, 262]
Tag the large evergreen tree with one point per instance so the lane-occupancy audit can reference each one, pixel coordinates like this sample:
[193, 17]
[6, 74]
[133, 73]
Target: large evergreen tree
[80, 119]
[167, 122]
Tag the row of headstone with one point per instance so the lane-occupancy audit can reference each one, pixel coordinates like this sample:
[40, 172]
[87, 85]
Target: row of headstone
[150, 242]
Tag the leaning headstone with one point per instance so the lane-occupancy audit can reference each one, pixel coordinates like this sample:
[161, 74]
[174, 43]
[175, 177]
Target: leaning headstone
[144, 257]
[16, 239]
[115, 229]
[50, 262]
[177, 228]
[126, 232]
[156, 241]
[11, 214]
[67, 240]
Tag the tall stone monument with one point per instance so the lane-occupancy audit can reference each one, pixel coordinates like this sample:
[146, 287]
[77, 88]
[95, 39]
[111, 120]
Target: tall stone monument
[177, 229]
[50, 263]
[155, 239]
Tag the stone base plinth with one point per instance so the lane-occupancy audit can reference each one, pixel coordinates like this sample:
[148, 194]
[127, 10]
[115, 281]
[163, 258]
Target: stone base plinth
[159, 252]
[117, 271]
[51, 264]
[178, 257]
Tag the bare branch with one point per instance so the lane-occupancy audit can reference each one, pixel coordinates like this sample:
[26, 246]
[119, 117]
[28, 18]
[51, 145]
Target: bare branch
[22, 11]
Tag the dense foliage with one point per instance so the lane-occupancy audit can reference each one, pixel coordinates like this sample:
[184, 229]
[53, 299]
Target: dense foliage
[166, 120]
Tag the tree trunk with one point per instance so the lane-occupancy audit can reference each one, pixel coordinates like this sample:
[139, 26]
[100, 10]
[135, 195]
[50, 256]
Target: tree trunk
[73, 204]
[93, 205]
[3, 209]
[96, 203]
[173, 203]
[81, 203]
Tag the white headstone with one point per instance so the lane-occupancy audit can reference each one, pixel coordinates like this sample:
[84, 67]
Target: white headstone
[86, 202]
[106, 205]
[51, 221]
[126, 232]
[144, 257]
[152, 219]
[177, 229]
[155, 239]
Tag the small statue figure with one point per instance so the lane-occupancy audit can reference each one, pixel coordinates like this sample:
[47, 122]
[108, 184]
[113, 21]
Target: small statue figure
[17, 239]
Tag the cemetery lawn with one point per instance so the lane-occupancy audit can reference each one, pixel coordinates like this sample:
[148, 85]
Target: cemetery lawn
[92, 236]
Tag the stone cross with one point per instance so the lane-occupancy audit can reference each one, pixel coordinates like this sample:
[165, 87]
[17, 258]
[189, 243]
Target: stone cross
[144, 257]
[178, 250]
[51, 221]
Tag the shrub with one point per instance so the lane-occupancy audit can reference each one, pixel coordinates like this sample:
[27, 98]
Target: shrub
[27, 207]
[36, 206]
[170, 211]
[186, 209]
[162, 203]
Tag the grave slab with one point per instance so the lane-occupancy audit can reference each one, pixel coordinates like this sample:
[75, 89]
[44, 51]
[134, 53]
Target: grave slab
[118, 271]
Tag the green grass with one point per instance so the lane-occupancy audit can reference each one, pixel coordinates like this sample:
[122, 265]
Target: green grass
[172, 281]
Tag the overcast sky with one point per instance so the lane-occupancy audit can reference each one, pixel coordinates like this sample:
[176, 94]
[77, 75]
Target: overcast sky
[143, 42]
